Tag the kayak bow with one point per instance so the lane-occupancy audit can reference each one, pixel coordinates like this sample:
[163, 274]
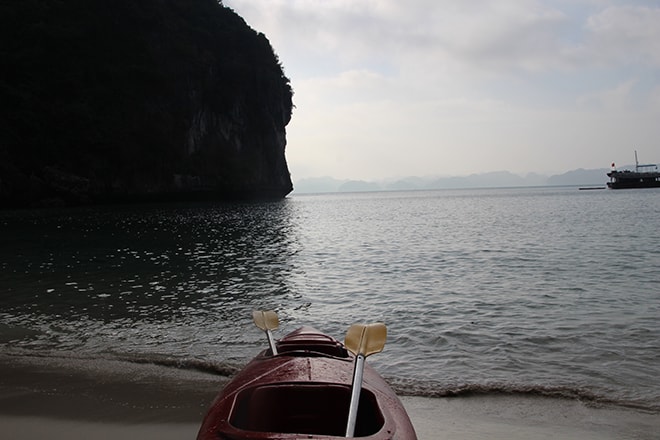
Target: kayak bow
[304, 391]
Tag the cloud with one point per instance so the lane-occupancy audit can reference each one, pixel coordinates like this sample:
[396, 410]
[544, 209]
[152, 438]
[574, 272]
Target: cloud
[626, 33]
[503, 34]
[616, 99]
[387, 87]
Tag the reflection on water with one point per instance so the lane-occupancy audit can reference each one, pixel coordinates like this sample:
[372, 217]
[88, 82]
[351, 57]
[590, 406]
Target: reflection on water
[510, 289]
[191, 264]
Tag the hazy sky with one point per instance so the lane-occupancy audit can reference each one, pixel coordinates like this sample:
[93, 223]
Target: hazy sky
[387, 88]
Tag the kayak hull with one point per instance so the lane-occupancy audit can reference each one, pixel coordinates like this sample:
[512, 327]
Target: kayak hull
[304, 392]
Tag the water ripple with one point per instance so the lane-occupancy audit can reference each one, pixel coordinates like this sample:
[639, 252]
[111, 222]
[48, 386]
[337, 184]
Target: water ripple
[498, 290]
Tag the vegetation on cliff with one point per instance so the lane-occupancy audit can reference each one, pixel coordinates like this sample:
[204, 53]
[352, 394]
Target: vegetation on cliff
[122, 99]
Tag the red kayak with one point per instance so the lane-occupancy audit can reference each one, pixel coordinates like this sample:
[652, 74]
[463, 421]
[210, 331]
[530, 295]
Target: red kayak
[304, 392]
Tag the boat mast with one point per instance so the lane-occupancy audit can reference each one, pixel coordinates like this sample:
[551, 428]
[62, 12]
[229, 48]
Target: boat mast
[636, 162]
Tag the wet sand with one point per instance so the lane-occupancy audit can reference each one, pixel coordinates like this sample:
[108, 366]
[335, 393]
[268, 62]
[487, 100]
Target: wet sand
[138, 402]
[525, 417]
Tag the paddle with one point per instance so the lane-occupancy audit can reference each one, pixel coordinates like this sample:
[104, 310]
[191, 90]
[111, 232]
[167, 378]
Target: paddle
[362, 340]
[267, 320]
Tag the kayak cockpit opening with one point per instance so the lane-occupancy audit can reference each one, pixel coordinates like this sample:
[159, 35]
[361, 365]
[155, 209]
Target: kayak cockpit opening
[331, 350]
[306, 341]
[311, 408]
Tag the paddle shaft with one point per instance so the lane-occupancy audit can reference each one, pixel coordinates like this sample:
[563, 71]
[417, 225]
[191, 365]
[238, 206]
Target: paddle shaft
[355, 395]
[271, 342]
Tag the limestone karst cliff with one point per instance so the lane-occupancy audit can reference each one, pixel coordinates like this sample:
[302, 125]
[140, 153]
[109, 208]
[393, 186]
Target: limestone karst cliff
[114, 100]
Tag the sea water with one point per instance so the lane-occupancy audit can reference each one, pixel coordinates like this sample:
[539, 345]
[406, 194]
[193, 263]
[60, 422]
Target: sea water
[550, 291]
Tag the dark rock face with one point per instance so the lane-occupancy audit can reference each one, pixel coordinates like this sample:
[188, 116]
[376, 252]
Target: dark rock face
[116, 100]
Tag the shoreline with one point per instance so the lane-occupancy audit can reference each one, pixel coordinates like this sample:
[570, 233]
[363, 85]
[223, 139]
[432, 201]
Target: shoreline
[462, 418]
[113, 399]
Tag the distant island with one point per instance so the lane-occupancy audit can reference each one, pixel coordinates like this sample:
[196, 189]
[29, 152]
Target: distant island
[138, 100]
[501, 179]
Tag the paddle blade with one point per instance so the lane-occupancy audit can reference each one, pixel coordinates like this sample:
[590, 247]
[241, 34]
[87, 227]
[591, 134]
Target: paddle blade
[266, 319]
[366, 339]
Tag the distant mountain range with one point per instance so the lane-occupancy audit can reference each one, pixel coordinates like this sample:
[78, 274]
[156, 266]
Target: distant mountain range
[579, 177]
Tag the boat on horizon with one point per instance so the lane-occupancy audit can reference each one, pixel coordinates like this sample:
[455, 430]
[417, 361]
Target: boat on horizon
[308, 385]
[644, 176]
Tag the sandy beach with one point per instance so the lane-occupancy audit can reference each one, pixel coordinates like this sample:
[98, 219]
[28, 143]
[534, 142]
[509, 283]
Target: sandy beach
[138, 402]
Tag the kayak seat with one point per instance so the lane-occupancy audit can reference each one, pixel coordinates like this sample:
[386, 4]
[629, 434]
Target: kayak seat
[320, 409]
